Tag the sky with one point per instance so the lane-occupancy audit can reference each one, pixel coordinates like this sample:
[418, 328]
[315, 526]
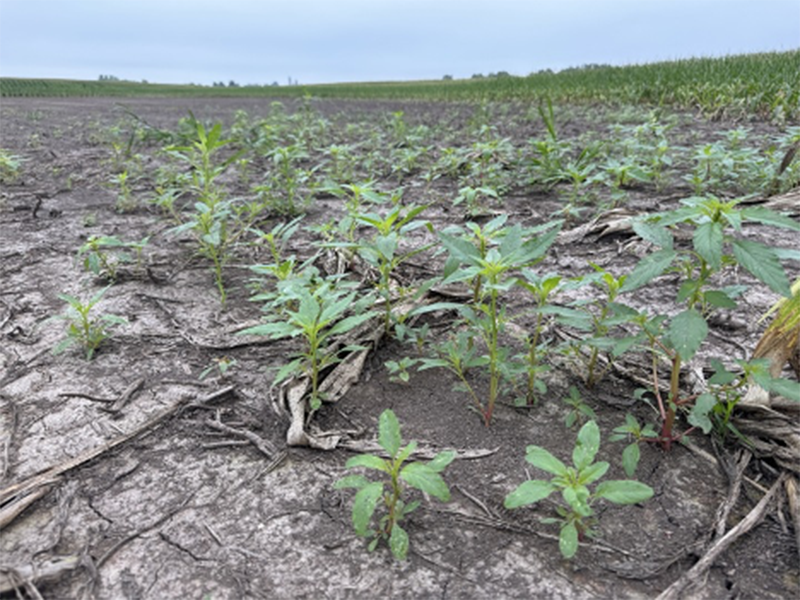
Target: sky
[322, 41]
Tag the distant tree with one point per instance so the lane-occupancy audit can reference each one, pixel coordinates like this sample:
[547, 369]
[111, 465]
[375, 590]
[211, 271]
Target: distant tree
[232, 83]
[447, 78]
[478, 76]
[275, 84]
[503, 74]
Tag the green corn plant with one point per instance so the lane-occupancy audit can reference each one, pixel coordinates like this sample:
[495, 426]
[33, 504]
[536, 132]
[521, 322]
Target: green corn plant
[83, 328]
[577, 517]
[397, 473]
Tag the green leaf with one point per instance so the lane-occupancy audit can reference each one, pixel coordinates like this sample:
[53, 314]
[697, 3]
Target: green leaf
[686, 332]
[702, 407]
[364, 506]
[405, 452]
[422, 477]
[762, 262]
[529, 492]
[349, 323]
[389, 432]
[289, 369]
[441, 460]
[398, 542]
[461, 249]
[593, 472]
[630, 458]
[721, 375]
[649, 268]
[539, 457]
[783, 387]
[766, 216]
[351, 481]
[370, 462]
[587, 445]
[273, 330]
[568, 540]
[655, 234]
[707, 240]
[719, 299]
[623, 491]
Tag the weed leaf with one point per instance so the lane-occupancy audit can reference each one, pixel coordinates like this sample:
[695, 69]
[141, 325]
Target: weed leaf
[707, 240]
[686, 332]
[441, 460]
[389, 432]
[568, 540]
[587, 445]
[623, 491]
[529, 492]
[539, 457]
[648, 269]
[364, 506]
[422, 477]
[630, 458]
[762, 262]
[398, 542]
[370, 462]
[351, 481]
[702, 407]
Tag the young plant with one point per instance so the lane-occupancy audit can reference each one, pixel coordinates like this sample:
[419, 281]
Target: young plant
[632, 429]
[577, 516]
[677, 342]
[595, 319]
[384, 253]
[397, 473]
[316, 310]
[10, 166]
[541, 287]
[83, 328]
[492, 272]
[579, 410]
[212, 224]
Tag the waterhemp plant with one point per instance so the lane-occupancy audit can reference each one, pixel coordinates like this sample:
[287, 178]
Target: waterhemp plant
[716, 227]
[577, 516]
[212, 223]
[383, 251]
[85, 329]
[491, 271]
[397, 473]
[317, 310]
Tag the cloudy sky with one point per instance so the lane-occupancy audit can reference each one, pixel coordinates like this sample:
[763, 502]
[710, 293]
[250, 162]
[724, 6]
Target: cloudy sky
[316, 41]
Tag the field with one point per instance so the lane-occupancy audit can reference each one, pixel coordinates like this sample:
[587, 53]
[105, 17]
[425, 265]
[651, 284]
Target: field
[767, 85]
[237, 289]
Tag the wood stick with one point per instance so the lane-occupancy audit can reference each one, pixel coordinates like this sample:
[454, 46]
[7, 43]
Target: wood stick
[695, 574]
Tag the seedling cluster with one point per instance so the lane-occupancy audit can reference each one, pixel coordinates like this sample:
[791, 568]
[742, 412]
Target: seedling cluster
[377, 254]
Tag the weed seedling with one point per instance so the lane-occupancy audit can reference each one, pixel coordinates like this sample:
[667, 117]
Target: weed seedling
[577, 517]
[397, 473]
[314, 309]
[83, 328]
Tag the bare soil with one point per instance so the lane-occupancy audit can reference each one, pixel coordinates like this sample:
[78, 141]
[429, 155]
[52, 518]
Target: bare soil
[186, 509]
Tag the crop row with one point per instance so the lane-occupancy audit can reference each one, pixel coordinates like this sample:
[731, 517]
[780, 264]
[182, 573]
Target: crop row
[766, 84]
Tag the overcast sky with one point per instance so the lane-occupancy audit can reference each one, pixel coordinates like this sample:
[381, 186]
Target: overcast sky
[317, 41]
